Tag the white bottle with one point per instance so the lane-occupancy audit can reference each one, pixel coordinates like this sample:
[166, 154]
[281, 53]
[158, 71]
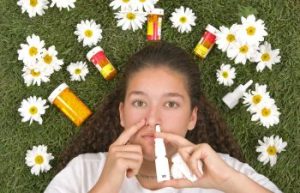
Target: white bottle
[181, 170]
[231, 99]
[161, 161]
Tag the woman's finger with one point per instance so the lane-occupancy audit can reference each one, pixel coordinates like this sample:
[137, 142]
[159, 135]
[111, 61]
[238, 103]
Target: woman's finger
[129, 147]
[129, 155]
[186, 152]
[132, 166]
[128, 133]
[196, 166]
[176, 140]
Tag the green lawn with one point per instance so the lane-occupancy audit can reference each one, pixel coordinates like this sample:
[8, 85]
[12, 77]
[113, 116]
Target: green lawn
[281, 17]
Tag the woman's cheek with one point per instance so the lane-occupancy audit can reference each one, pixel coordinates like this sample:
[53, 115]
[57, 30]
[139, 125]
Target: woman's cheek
[132, 116]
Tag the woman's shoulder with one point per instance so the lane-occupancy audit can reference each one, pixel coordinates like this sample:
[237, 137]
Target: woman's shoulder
[247, 170]
[237, 164]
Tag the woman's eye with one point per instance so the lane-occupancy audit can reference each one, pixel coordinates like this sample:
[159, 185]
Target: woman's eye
[172, 104]
[138, 103]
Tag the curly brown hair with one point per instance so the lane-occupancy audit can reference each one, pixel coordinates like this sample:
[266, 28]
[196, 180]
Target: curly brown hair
[103, 128]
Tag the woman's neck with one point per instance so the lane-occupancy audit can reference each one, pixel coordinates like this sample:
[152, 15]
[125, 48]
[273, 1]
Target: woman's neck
[147, 176]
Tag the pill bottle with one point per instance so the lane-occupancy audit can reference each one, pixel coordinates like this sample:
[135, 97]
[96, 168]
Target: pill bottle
[206, 42]
[99, 59]
[154, 22]
[65, 99]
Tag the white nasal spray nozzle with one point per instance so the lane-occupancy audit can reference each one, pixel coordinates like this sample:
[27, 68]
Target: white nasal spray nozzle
[231, 99]
[161, 161]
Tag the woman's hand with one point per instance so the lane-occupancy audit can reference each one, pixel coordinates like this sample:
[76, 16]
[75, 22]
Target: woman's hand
[121, 160]
[215, 171]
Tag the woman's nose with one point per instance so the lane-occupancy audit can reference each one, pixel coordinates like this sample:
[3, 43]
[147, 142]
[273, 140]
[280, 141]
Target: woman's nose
[153, 117]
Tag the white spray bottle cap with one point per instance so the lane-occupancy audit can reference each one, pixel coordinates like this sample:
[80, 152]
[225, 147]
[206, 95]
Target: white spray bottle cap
[231, 99]
[180, 169]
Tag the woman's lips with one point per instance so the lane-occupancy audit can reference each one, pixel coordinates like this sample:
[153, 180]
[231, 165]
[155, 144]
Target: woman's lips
[148, 137]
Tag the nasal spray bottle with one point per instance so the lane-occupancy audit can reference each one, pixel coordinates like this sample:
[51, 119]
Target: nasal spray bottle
[231, 99]
[161, 161]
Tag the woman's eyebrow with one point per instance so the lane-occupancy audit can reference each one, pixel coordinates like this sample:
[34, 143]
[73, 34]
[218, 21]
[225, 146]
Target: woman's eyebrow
[173, 94]
[136, 92]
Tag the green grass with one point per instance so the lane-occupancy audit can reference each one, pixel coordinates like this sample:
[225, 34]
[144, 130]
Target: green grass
[56, 28]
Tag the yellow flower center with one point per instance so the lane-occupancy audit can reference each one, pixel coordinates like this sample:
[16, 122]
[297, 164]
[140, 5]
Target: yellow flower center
[244, 49]
[125, 1]
[265, 57]
[77, 71]
[35, 73]
[33, 51]
[272, 150]
[230, 38]
[39, 159]
[183, 19]
[256, 99]
[33, 3]
[265, 112]
[225, 74]
[130, 16]
[88, 33]
[33, 110]
[48, 59]
[251, 30]
[142, 1]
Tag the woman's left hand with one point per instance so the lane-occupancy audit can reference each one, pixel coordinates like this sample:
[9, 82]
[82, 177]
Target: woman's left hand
[216, 173]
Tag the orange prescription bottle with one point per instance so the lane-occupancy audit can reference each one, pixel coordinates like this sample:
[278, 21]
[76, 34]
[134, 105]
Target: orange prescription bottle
[63, 98]
[99, 59]
[154, 22]
[206, 42]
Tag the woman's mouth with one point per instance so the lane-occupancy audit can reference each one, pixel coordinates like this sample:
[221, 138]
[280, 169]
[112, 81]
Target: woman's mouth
[148, 137]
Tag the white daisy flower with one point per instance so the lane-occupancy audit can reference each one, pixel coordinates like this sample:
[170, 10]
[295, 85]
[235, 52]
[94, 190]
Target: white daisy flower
[147, 5]
[226, 36]
[240, 51]
[49, 60]
[266, 57]
[38, 159]
[130, 20]
[251, 30]
[35, 74]
[123, 4]
[89, 32]
[60, 4]
[32, 108]
[32, 50]
[33, 7]
[78, 71]
[267, 113]
[226, 74]
[256, 97]
[269, 148]
[183, 19]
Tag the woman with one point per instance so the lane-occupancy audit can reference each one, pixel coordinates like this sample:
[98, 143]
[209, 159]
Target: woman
[114, 152]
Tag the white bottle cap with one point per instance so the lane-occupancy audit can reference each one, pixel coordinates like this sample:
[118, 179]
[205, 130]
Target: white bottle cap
[56, 92]
[175, 172]
[231, 99]
[156, 11]
[93, 51]
[211, 29]
[179, 164]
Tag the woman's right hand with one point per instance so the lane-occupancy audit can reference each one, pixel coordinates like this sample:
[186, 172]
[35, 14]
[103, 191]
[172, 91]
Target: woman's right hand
[122, 159]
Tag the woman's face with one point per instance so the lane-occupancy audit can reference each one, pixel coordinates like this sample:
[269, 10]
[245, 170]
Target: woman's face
[160, 96]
